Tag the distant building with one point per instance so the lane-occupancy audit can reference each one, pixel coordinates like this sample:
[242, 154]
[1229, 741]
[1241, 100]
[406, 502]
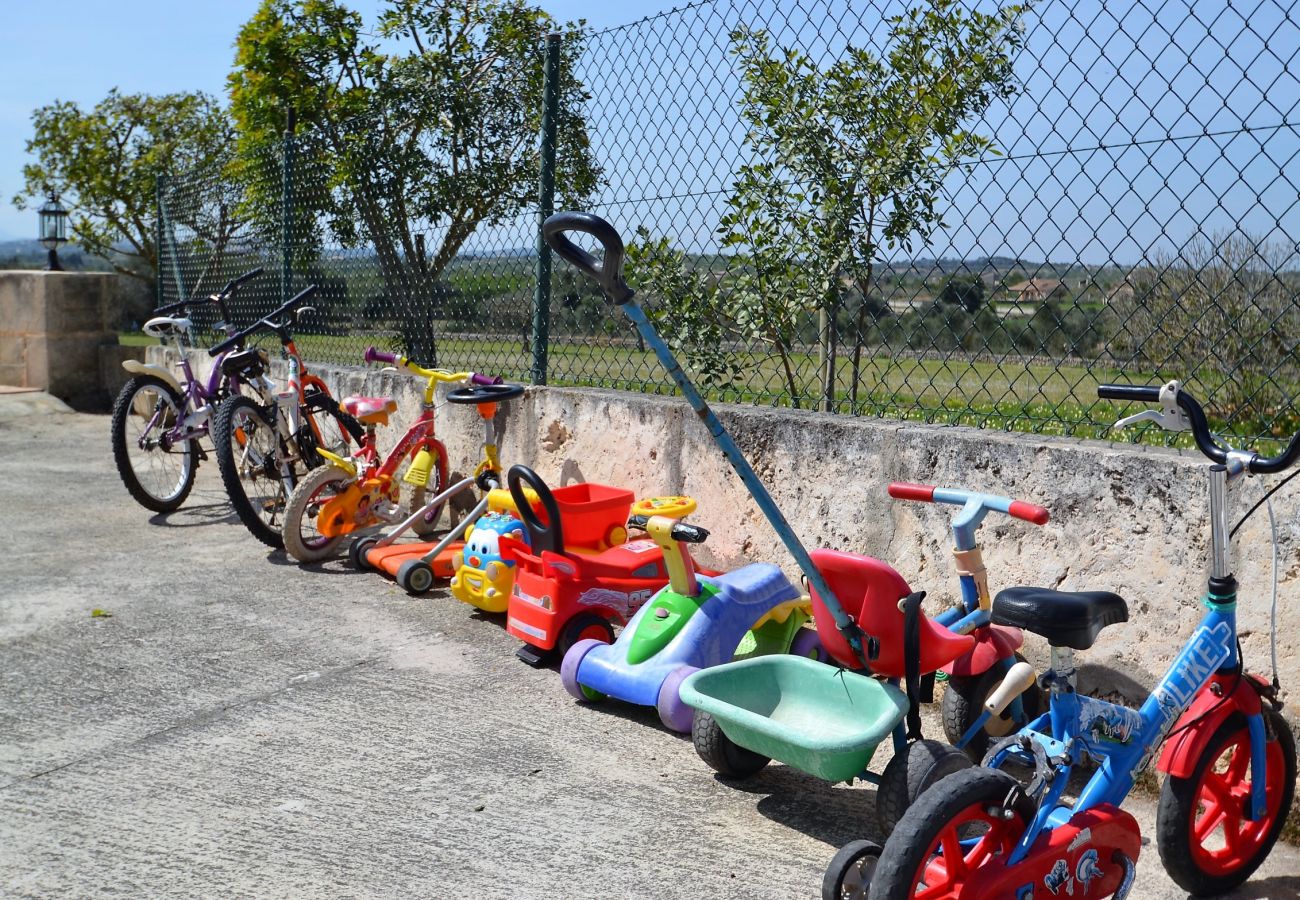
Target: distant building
[1037, 290]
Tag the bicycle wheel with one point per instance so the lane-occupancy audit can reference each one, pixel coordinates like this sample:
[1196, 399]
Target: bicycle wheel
[302, 539]
[947, 834]
[249, 454]
[156, 473]
[1206, 841]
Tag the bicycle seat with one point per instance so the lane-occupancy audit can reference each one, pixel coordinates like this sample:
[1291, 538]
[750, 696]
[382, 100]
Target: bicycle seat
[1066, 619]
[246, 364]
[166, 326]
[370, 410]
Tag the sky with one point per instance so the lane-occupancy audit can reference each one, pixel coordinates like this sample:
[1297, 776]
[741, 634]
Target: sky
[79, 49]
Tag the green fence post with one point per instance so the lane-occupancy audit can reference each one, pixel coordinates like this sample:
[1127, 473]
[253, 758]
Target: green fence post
[286, 213]
[545, 204]
[158, 240]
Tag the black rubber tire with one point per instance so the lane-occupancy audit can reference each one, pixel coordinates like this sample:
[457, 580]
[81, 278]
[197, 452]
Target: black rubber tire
[573, 629]
[415, 576]
[723, 755]
[121, 456]
[963, 701]
[1178, 804]
[909, 845]
[910, 773]
[849, 875]
[227, 450]
[358, 549]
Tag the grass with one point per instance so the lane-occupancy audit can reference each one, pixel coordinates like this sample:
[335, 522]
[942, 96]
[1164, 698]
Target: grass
[1058, 400]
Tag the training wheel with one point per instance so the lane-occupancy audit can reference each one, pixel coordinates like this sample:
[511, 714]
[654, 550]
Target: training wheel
[358, 549]
[415, 576]
[672, 507]
[848, 877]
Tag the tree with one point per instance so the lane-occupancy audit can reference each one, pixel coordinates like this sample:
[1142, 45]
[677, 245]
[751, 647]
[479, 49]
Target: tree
[105, 164]
[410, 150]
[967, 292]
[851, 158]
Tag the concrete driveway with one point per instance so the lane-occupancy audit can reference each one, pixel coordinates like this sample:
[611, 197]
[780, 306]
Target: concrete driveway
[238, 726]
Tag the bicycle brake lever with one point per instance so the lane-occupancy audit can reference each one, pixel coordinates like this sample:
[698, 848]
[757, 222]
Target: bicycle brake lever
[1171, 417]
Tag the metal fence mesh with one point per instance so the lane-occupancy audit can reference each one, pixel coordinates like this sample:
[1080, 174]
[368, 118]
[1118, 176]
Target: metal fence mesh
[1130, 217]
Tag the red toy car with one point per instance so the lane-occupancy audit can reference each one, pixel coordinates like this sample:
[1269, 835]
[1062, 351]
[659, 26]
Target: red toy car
[565, 594]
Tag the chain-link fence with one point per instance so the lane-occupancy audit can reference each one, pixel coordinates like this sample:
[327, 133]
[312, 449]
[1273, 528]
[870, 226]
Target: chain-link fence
[927, 210]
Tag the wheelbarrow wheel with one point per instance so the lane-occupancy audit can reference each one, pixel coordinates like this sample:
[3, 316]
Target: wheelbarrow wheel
[358, 549]
[723, 755]
[909, 773]
[848, 877]
[963, 701]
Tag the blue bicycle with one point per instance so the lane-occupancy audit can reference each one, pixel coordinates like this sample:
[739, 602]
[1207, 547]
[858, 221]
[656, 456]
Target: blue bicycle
[1229, 756]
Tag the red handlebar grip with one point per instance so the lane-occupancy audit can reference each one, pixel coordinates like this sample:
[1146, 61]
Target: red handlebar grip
[1029, 512]
[901, 490]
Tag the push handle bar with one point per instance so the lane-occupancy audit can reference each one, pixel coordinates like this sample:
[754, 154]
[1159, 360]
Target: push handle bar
[981, 503]
[687, 534]
[607, 273]
[1205, 440]
[264, 323]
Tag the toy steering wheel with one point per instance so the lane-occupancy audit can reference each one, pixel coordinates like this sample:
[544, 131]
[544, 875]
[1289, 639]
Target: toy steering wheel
[542, 536]
[485, 393]
[672, 507]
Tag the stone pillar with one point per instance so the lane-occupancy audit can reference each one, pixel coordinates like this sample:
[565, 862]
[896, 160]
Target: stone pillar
[52, 328]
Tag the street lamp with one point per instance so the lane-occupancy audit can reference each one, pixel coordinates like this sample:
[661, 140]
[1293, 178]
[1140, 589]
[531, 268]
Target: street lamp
[54, 229]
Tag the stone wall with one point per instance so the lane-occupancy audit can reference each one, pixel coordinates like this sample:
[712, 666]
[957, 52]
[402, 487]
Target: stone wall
[1126, 519]
[54, 329]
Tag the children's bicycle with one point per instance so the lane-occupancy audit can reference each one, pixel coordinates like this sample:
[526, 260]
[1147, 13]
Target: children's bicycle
[158, 420]
[350, 494]
[265, 444]
[1228, 755]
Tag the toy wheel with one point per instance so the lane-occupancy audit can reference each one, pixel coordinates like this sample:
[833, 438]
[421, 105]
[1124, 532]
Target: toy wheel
[358, 549]
[962, 814]
[723, 755]
[1206, 841]
[673, 711]
[909, 773]
[672, 507]
[157, 475]
[584, 627]
[807, 644]
[569, 671]
[963, 701]
[848, 877]
[415, 576]
[302, 540]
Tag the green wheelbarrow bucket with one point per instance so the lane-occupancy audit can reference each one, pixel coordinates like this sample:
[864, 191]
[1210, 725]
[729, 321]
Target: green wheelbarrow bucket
[817, 718]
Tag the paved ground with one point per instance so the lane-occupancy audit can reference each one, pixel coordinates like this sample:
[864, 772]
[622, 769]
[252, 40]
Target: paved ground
[238, 726]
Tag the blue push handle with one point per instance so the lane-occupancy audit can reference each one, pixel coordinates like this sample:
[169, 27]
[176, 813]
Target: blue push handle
[609, 275]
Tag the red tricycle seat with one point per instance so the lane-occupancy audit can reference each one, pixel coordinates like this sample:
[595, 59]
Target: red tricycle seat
[370, 410]
[869, 591]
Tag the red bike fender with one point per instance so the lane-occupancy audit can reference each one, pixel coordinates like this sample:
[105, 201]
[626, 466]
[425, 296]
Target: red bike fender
[1199, 722]
[992, 643]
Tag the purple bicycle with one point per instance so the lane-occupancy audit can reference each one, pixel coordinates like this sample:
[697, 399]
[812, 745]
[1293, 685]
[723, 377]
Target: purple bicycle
[158, 419]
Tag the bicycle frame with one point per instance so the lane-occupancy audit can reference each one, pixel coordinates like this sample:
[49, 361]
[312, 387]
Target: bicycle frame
[1125, 740]
[199, 396]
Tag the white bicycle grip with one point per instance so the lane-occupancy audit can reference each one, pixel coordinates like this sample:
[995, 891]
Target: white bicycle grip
[1013, 685]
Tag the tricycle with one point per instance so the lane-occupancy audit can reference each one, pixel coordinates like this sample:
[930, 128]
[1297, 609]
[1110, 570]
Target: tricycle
[822, 718]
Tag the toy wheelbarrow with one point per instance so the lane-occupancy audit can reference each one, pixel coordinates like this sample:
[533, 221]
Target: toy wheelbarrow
[824, 719]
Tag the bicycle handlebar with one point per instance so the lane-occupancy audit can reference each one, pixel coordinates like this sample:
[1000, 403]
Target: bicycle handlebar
[928, 493]
[1201, 433]
[217, 298]
[374, 354]
[266, 322]
[608, 273]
